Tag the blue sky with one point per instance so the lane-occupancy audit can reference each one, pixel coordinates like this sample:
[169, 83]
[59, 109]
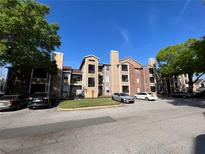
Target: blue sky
[135, 28]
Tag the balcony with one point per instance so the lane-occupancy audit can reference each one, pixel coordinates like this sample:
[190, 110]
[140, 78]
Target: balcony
[76, 83]
[39, 80]
[100, 80]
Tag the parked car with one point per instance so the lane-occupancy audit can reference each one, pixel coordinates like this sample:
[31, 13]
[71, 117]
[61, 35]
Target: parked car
[200, 94]
[122, 97]
[8, 102]
[181, 94]
[2, 93]
[146, 96]
[39, 100]
[200, 90]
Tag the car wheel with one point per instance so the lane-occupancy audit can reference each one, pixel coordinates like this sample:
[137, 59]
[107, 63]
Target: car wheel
[112, 98]
[122, 101]
[146, 98]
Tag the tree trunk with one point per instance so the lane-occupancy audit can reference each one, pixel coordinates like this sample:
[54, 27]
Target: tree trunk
[190, 76]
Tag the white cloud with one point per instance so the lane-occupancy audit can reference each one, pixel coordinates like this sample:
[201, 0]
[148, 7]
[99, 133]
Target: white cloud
[184, 9]
[153, 17]
[125, 35]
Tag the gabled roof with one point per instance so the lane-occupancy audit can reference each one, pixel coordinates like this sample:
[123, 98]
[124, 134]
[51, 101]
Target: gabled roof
[91, 56]
[76, 71]
[87, 57]
[131, 61]
[67, 68]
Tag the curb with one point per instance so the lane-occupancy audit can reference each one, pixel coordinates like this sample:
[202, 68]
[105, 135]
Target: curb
[89, 108]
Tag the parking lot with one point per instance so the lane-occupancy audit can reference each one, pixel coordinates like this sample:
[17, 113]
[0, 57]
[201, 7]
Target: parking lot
[162, 126]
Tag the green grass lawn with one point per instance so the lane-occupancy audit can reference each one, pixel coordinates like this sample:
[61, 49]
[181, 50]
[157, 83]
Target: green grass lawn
[70, 104]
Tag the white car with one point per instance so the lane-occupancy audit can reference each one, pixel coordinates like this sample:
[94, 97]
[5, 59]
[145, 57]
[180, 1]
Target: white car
[146, 95]
[122, 97]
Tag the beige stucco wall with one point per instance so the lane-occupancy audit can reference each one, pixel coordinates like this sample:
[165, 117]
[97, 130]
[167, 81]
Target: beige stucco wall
[90, 92]
[106, 81]
[57, 80]
[114, 61]
[66, 85]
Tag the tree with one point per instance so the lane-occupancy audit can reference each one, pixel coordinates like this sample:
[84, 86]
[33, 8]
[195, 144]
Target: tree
[181, 59]
[26, 38]
[200, 53]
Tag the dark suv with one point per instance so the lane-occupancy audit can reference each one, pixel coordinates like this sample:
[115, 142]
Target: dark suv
[39, 100]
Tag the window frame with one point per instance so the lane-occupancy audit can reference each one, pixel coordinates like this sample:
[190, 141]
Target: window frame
[91, 70]
[91, 84]
[123, 69]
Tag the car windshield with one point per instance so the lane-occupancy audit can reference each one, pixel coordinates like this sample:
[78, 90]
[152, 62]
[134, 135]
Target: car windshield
[124, 94]
[39, 95]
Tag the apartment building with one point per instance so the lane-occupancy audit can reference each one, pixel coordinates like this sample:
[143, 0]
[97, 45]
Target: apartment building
[167, 85]
[27, 81]
[94, 79]
[91, 80]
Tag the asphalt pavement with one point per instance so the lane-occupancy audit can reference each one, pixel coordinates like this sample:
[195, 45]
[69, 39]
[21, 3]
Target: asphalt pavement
[162, 126]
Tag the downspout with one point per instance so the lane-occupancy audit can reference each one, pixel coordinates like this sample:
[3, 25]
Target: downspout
[144, 80]
[49, 83]
[29, 91]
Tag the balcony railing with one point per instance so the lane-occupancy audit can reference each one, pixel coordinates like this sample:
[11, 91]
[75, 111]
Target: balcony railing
[39, 80]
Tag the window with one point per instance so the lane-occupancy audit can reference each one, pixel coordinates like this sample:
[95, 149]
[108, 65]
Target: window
[152, 89]
[124, 68]
[100, 68]
[65, 79]
[91, 60]
[100, 79]
[65, 76]
[91, 82]
[107, 68]
[124, 78]
[76, 78]
[125, 89]
[91, 68]
[151, 71]
[152, 79]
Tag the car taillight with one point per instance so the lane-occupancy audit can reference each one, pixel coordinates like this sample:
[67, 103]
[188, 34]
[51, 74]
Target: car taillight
[12, 101]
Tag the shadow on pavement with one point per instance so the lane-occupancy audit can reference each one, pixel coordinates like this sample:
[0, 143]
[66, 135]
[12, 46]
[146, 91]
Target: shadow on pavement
[187, 102]
[200, 144]
[52, 127]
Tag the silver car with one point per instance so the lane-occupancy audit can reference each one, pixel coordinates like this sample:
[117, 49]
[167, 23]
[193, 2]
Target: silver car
[12, 102]
[124, 98]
